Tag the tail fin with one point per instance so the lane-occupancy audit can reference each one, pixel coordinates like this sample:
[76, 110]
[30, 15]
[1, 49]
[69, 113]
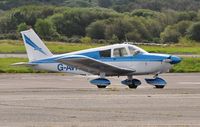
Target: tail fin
[35, 48]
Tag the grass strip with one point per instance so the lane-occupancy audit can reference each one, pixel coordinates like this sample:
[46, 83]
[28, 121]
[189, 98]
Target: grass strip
[15, 46]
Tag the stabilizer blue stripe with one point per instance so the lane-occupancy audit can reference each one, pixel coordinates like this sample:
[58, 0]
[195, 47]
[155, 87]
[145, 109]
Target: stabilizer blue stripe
[30, 42]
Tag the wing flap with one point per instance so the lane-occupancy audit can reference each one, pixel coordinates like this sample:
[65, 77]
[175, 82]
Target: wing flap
[93, 66]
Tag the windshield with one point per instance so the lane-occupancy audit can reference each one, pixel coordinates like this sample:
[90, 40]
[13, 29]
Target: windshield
[135, 50]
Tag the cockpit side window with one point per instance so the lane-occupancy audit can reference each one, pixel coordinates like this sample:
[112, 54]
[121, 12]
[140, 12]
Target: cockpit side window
[105, 53]
[118, 52]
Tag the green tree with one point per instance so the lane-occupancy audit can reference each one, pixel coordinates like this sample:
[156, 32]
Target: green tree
[46, 29]
[182, 27]
[140, 26]
[74, 21]
[170, 35]
[133, 36]
[153, 28]
[104, 3]
[6, 25]
[144, 13]
[189, 16]
[194, 31]
[114, 40]
[27, 14]
[96, 30]
[119, 28]
[22, 27]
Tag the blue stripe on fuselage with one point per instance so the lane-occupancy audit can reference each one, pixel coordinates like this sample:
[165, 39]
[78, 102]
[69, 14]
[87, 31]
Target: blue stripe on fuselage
[95, 55]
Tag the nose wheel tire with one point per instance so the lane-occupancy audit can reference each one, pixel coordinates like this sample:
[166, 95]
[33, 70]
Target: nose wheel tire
[101, 86]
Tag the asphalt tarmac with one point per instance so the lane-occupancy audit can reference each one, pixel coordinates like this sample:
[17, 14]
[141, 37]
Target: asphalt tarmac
[59, 100]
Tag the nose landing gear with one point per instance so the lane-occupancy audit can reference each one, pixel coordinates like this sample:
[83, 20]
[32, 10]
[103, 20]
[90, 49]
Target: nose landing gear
[159, 83]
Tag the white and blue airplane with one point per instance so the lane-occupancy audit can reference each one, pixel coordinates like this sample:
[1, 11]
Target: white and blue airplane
[113, 60]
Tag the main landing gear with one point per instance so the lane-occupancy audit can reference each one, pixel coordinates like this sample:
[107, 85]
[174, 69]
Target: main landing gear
[101, 82]
[131, 83]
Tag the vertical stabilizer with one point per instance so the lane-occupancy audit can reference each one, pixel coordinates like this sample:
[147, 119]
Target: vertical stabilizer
[35, 48]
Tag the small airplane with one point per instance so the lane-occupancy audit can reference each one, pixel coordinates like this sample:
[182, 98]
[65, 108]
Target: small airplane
[113, 60]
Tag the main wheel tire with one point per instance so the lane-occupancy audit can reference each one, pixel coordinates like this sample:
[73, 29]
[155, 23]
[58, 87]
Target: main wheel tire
[159, 86]
[132, 86]
[101, 87]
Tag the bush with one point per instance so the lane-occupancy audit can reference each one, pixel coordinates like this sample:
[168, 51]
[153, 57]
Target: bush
[75, 39]
[86, 40]
[12, 36]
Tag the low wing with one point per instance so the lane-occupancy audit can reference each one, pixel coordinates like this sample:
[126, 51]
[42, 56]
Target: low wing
[24, 64]
[93, 66]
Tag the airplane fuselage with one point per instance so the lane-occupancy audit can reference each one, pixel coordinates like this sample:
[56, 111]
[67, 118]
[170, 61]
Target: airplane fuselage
[143, 64]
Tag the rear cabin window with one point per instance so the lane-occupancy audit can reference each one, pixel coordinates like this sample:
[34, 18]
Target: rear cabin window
[118, 52]
[105, 53]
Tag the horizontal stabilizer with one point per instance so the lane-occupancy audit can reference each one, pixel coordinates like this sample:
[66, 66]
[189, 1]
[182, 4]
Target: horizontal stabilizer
[24, 64]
